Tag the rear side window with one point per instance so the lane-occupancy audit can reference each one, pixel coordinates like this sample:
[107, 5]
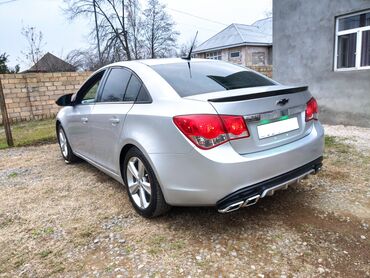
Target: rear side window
[143, 96]
[115, 86]
[133, 89]
[205, 77]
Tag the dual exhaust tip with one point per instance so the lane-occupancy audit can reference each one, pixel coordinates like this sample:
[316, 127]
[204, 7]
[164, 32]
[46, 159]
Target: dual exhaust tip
[233, 207]
[267, 192]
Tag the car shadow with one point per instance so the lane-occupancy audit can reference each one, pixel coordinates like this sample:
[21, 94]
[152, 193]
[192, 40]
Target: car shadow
[285, 206]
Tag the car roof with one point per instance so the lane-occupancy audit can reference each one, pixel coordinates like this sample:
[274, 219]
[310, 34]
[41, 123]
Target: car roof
[153, 62]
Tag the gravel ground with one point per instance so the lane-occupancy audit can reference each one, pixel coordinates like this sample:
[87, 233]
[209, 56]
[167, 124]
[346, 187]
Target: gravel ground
[358, 137]
[73, 221]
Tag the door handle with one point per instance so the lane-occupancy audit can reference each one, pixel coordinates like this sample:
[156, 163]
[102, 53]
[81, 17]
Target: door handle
[84, 120]
[114, 121]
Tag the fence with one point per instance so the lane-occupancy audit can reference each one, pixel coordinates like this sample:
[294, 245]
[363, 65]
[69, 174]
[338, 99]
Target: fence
[31, 96]
[265, 70]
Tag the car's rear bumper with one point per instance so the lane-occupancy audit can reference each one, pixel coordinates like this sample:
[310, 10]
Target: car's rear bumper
[251, 194]
[207, 177]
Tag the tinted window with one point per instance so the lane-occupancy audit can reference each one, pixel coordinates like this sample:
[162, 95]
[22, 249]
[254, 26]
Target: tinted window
[206, 77]
[133, 89]
[115, 86]
[143, 95]
[87, 93]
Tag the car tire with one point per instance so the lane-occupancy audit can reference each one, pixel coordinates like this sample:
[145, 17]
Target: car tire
[65, 147]
[142, 185]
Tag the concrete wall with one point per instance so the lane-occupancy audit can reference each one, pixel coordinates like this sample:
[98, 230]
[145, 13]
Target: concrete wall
[32, 95]
[304, 39]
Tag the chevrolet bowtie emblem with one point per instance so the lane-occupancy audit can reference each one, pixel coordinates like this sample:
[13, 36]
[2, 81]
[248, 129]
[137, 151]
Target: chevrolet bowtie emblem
[282, 102]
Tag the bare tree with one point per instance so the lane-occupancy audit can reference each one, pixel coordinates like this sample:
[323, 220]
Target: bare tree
[160, 33]
[35, 45]
[185, 48]
[113, 32]
[123, 30]
[268, 13]
[135, 24]
[84, 59]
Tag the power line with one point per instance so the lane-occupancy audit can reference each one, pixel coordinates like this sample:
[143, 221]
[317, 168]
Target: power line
[199, 17]
[7, 1]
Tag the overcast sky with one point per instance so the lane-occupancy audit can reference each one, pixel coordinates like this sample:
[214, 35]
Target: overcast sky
[62, 36]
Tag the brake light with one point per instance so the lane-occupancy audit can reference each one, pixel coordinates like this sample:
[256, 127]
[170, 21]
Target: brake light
[311, 110]
[209, 131]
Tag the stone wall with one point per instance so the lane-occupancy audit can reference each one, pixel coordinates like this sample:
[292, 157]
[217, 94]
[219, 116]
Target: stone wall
[32, 95]
[265, 70]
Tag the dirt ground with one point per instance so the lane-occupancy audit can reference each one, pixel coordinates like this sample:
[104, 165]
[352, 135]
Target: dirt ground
[73, 221]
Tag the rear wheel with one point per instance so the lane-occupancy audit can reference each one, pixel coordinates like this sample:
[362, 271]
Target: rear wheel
[65, 148]
[142, 186]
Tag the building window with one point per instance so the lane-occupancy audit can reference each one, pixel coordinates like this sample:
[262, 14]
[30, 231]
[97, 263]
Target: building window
[258, 58]
[216, 55]
[235, 54]
[352, 43]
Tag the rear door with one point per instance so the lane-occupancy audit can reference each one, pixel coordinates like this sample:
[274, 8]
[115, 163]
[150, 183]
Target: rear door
[115, 101]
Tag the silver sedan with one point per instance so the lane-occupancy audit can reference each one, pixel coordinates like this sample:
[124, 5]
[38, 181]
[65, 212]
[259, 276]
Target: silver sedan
[191, 133]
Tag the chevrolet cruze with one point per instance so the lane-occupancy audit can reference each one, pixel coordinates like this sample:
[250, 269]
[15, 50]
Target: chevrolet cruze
[191, 132]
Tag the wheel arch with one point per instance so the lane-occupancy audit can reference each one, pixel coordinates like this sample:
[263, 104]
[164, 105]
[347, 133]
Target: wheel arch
[125, 148]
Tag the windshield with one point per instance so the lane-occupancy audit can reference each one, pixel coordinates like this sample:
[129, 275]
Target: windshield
[195, 78]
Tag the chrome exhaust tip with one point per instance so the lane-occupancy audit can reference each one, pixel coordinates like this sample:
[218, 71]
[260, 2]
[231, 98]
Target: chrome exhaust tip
[232, 207]
[251, 201]
[235, 206]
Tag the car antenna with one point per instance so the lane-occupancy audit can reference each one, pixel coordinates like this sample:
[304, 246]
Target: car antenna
[191, 49]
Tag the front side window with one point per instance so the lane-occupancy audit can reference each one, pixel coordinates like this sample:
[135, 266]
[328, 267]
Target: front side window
[88, 92]
[115, 86]
[206, 77]
[353, 42]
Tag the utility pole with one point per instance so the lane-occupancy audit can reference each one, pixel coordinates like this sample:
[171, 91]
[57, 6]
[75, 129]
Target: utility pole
[4, 113]
[97, 32]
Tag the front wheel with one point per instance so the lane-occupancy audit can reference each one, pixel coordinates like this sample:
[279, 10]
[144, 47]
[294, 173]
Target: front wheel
[142, 186]
[65, 148]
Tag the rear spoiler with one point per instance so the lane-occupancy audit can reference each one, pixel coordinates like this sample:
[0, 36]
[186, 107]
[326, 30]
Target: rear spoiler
[270, 93]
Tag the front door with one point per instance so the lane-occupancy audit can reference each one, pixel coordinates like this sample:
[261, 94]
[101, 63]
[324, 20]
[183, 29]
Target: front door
[78, 129]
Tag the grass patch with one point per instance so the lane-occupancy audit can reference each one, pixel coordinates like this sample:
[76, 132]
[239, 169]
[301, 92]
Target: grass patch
[30, 133]
[42, 232]
[45, 253]
[157, 244]
[12, 175]
[177, 245]
[334, 143]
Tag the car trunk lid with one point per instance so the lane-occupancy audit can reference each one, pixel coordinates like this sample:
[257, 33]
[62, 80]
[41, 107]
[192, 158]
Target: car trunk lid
[275, 115]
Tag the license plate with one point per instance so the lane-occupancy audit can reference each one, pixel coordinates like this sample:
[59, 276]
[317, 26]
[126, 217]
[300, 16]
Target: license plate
[276, 128]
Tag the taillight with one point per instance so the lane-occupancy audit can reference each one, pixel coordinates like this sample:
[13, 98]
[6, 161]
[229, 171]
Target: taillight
[209, 131]
[311, 110]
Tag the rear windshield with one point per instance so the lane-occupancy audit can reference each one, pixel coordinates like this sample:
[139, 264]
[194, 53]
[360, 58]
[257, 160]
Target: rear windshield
[196, 78]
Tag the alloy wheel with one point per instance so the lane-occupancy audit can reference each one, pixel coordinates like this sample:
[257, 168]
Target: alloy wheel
[138, 182]
[63, 143]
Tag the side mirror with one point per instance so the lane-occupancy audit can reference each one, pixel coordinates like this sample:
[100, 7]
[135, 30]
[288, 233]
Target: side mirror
[65, 100]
